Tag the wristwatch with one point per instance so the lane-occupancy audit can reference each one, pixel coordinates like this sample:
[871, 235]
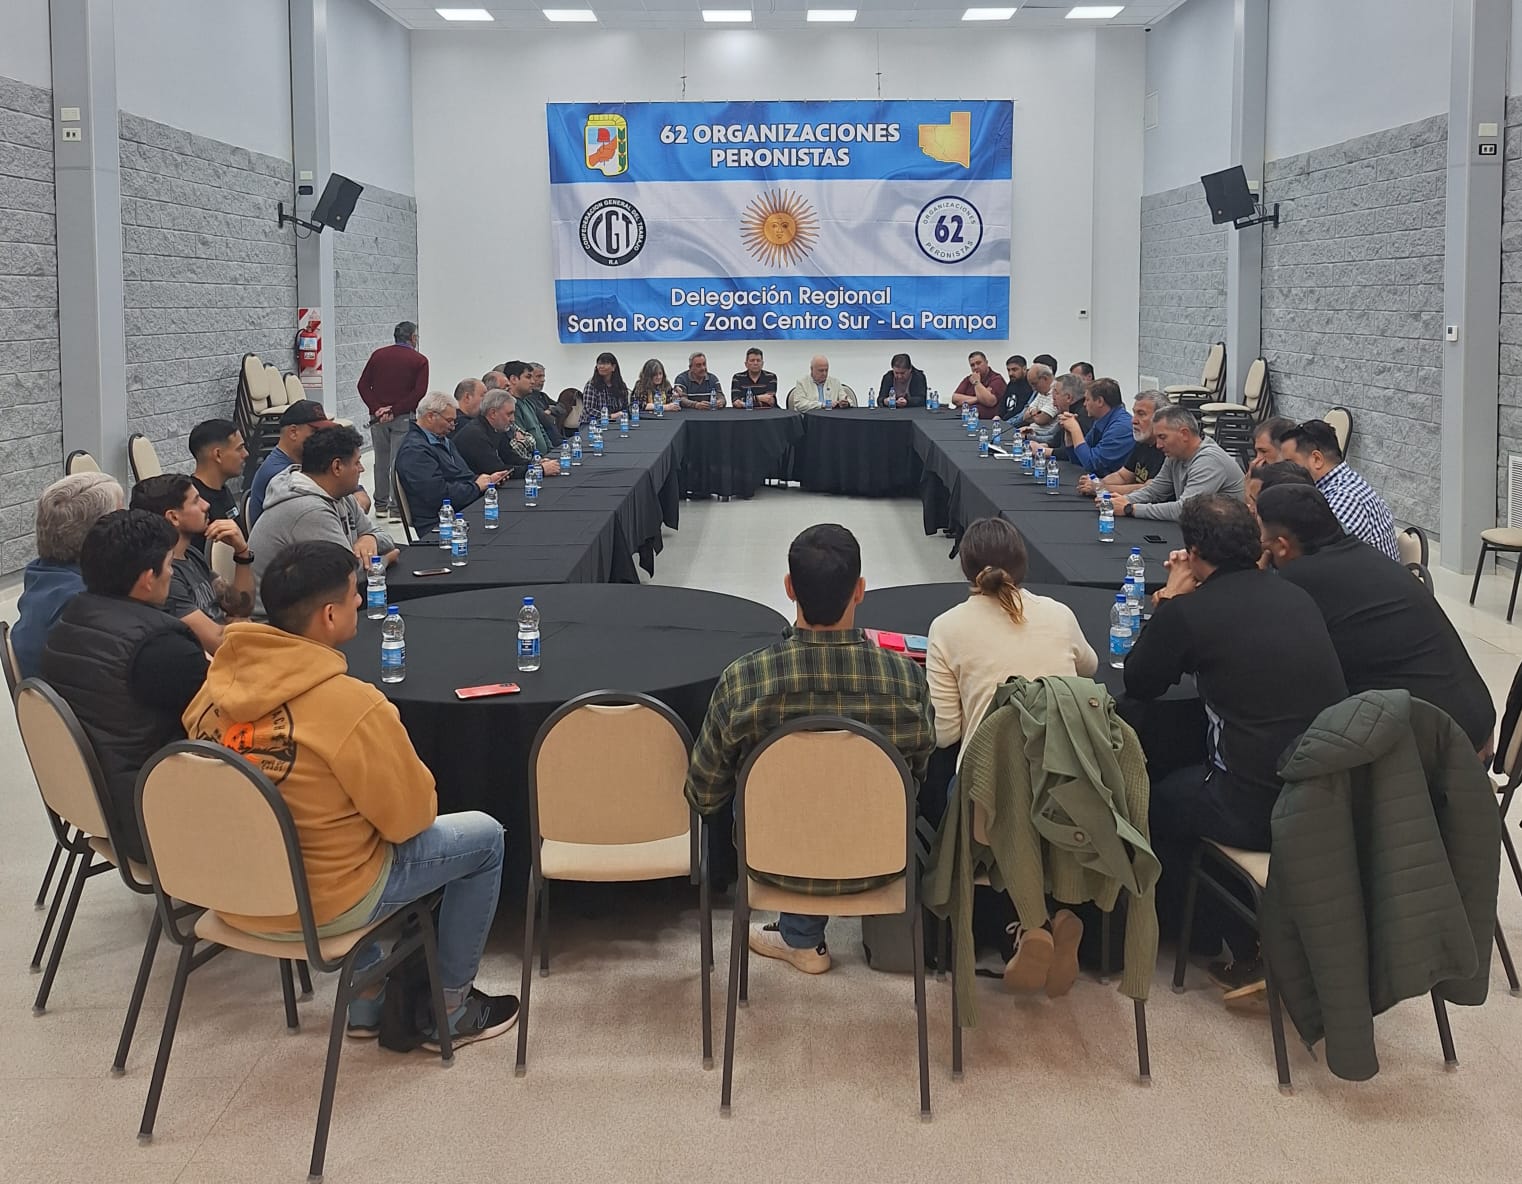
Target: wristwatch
[1126, 513]
[245, 559]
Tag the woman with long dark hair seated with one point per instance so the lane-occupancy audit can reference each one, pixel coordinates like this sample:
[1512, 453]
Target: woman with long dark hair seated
[606, 389]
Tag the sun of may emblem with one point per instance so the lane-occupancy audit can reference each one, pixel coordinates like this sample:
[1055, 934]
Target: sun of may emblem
[779, 227]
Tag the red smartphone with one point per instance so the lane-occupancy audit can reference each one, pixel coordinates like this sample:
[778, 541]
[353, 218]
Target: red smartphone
[431, 571]
[487, 691]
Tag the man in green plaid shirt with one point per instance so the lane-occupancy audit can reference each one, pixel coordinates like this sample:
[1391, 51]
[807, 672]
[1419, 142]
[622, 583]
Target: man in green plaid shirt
[822, 666]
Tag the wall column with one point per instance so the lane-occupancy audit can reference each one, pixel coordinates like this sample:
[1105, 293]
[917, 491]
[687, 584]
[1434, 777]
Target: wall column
[313, 163]
[1244, 248]
[91, 330]
[1472, 276]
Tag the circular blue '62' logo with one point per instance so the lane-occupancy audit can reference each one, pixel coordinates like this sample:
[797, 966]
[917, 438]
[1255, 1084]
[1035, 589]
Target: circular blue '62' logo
[949, 229]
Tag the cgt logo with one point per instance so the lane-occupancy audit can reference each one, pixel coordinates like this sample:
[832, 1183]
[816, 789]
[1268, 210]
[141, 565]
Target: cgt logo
[607, 144]
[612, 231]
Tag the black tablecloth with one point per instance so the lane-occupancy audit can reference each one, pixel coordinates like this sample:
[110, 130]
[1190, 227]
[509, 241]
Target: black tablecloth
[731, 452]
[671, 643]
[1172, 729]
[865, 452]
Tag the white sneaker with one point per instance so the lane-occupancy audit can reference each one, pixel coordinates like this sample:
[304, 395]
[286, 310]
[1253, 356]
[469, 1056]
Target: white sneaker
[766, 940]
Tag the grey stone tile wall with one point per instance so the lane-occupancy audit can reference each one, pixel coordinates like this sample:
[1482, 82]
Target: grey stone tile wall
[31, 418]
[208, 275]
[1509, 442]
[1353, 300]
[374, 287]
[1183, 284]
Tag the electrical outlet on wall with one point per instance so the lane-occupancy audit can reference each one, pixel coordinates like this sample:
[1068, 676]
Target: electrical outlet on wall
[73, 134]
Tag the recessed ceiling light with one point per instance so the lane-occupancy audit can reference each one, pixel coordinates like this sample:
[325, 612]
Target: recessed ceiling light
[988, 14]
[464, 14]
[738, 16]
[1095, 12]
[569, 14]
[832, 14]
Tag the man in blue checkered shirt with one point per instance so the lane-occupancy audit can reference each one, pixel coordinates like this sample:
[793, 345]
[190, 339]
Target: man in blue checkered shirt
[1361, 511]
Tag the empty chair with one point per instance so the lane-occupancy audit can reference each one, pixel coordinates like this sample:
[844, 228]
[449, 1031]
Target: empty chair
[143, 457]
[606, 804]
[1340, 419]
[1232, 428]
[219, 836]
[1257, 397]
[73, 792]
[1502, 540]
[79, 461]
[825, 798]
[1212, 380]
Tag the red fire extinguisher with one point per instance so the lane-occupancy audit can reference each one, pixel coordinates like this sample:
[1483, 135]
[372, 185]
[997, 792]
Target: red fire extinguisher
[309, 344]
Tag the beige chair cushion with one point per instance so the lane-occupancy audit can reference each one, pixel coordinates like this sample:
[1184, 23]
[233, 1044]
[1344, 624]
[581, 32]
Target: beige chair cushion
[1186, 390]
[211, 927]
[890, 899]
[103, 848]
[616, 862]
[1503, 537]
[1254, 863]
[1217, 408]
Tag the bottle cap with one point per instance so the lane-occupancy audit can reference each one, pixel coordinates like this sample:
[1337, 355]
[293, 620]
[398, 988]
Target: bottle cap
[528, 600]
[1120, 598]
[1136, 550]
[393, 610]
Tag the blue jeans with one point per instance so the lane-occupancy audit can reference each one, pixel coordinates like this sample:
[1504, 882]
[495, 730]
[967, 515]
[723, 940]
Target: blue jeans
[801, 931]
[461, 853]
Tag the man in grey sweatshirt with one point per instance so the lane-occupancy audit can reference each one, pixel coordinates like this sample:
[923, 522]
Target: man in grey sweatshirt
[1194, 465]
[314, 502]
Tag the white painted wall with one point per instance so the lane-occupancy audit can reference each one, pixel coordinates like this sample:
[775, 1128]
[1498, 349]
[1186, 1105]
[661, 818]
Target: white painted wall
[25, 47]
[485, 270]
[1120, 59]
[218, 68]
[370, 95]
[1338, 69]
[1189, 69]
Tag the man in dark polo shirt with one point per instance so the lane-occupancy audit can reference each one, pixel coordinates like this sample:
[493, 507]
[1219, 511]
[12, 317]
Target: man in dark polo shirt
[1388, 630]
[760, 385]
[393, 380]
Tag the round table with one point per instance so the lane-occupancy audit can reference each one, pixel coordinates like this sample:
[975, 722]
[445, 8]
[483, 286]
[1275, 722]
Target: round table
[1171, 729]
[671, 643]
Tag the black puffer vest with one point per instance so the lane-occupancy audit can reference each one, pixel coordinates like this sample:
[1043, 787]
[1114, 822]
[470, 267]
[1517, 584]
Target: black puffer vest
[87, 658]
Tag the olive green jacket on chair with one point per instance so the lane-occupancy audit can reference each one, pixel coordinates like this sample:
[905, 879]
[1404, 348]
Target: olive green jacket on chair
[1062, 785]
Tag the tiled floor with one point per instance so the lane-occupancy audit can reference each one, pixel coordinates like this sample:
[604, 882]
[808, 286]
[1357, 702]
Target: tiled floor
[825, 1079]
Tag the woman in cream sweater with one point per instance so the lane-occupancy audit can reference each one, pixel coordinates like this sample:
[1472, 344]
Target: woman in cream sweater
[998, 632]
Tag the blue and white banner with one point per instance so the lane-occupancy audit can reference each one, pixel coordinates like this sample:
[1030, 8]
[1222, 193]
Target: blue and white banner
[860, 220]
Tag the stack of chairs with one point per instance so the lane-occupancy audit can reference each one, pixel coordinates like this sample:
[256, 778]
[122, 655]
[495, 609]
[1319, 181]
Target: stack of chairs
[263, 395]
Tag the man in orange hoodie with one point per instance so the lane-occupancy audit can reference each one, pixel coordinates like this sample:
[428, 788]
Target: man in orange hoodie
[364, 805]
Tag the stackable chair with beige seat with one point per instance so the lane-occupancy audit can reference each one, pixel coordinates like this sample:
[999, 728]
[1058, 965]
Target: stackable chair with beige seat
[1501, 540]
[219, 837]
[825, 798]
[143, 457]
[1414, 553]
[1212, 381]
[12, 670]
[403, 508]
[1257, 397]
[74, 794]
[79, 461]
[1340, 420]
[606, 805]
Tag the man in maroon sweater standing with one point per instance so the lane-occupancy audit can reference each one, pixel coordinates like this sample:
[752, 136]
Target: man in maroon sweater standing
[394, 379]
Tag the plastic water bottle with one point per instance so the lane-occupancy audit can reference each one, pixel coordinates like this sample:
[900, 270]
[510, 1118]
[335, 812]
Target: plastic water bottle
[375, 589]
[658, 405]
[528, 635]
[750, 399]
[1106, 519]
[983, 443]
[1018, 448]
[459, 545]
[633, 415]
[576, 446]
[491, 507]
[596, 441]
[1027, 462]
[393, 646]
[1134, 598]
[602, 420]
[623, 426]
[1053, 478]
[932, 400]
[446, 525]
[1121, 634]
[530, 487]
[998, 433]
[565, 458]
[871, 394]
[1136, 569]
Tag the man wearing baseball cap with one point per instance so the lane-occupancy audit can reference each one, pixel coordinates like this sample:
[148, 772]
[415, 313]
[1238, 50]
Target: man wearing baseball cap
[301, 419]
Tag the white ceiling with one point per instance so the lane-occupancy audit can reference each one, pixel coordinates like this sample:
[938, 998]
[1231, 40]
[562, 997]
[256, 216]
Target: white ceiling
[769, 14]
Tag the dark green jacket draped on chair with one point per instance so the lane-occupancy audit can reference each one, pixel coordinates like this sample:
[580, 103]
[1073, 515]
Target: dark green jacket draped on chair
[1382, 885]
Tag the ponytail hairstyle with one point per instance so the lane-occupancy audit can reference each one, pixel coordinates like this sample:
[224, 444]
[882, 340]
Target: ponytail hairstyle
[994, 562]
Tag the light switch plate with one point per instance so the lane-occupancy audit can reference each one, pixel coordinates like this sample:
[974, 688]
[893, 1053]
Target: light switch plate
[1451, 333]
[68, 114]
[1490, 129]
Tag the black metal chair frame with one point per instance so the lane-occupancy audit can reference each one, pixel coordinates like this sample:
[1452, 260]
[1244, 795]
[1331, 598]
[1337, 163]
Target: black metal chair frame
[403, 507]
[411, 927]
[1198, 874]
[739, 944]
[1486, 547]
[12, 681]
[538, 896]
[68, 461]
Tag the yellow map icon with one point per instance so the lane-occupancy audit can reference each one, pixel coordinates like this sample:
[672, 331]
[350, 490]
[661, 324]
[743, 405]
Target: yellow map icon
[949, 142]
